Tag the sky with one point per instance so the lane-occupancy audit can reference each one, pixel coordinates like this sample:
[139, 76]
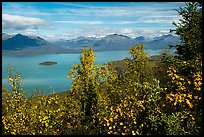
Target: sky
[68, 20]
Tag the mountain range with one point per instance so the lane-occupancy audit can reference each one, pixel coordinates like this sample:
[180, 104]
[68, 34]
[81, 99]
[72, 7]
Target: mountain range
[22, 44]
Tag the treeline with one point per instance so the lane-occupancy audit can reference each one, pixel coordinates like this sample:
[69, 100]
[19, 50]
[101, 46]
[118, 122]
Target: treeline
[138, 100]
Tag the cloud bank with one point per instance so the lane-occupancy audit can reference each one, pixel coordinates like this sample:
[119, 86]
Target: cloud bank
[17, 22]
[92, 19]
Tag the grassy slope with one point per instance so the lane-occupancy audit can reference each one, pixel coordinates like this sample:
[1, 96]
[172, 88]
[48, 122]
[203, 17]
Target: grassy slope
[156, 59]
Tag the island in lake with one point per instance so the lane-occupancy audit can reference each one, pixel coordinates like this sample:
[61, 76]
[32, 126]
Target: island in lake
[48, 63]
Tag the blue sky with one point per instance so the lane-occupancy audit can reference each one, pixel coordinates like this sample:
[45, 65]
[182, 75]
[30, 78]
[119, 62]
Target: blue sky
[67, 20]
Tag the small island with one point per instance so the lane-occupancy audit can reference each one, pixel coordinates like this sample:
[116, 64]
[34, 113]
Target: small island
[48, 63]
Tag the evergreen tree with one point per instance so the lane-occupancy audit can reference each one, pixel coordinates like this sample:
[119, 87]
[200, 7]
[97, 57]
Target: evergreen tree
[184, 89]
[189, 29]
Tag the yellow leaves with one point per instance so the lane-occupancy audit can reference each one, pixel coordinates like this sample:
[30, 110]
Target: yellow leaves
[171, 68]
[113, 113]
[176, 76]
[133, 133]
[182, 79]
[106, 119]
[175, 103]
[158, 110]
[189, 96]
[121, 113]
[125, 104]
[198, 76]
[26, 120]
[75, 66]
[45, 118]
[189, 104]
[196, 97]
[170, 96]
[6, 127]
[199, 89]
[116, 116]
[197, 85]
[111, 108]
[200, 82]
[174, 70]
[178, 97]
[183, 88]
[179, 83]
[192, 117]
[184, 62]
[170, 74]
[140, 103]
[10, 79]
[111, 119]
[197, 82]
[46, 124]
[110, 128]
[109, 132]
[13, 133]
[19, 76]
[121, 123]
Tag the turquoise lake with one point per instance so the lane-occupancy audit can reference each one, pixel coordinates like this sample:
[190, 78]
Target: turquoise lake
[53, 77]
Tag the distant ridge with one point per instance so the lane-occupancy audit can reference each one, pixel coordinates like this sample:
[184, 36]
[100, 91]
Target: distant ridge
[19, 41]
[23, 44]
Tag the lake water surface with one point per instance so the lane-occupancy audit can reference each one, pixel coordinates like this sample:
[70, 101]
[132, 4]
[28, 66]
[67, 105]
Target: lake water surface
[53, 77]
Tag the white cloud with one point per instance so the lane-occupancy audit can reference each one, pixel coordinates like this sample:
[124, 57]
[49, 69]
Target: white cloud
[79, 22]
[143, 21]
[124, 22]
[122, 9]
[98, 20]
[30, 32]
[164, 31]
[126, 31]
[17, 22]
[100, 32]
[150, 19]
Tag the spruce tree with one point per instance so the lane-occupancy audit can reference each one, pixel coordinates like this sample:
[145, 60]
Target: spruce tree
[189, 28]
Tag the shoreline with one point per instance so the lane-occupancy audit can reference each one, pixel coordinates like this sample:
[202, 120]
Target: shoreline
[24, 53]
